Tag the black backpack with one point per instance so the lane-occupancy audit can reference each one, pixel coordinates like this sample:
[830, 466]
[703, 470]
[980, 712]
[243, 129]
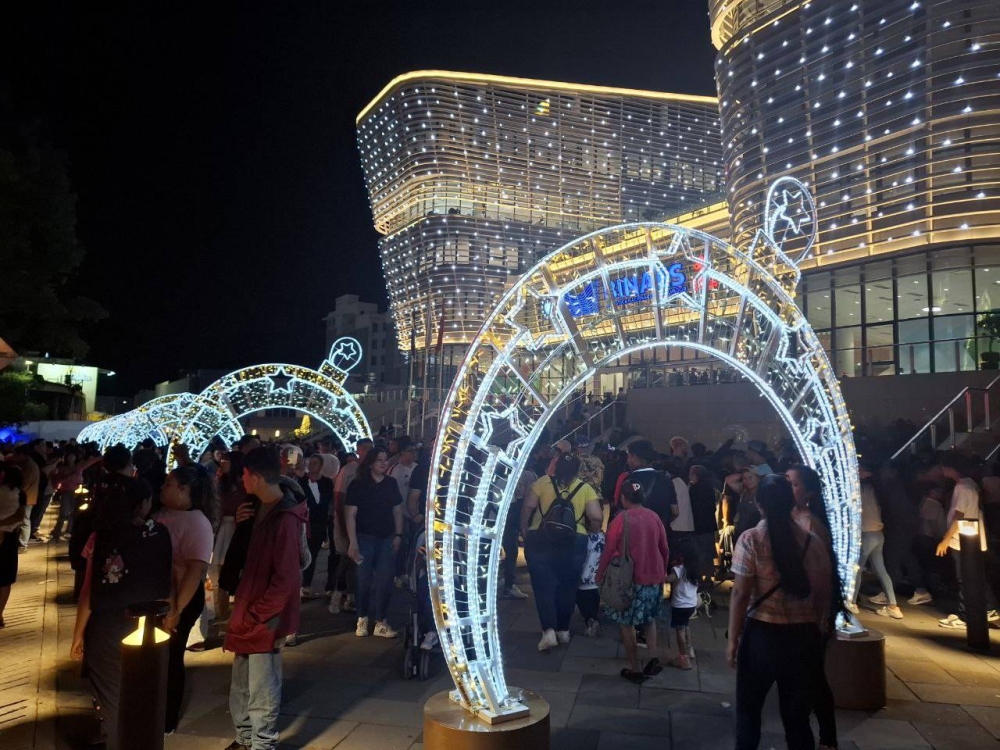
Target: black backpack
[132, 568]
[560, 520]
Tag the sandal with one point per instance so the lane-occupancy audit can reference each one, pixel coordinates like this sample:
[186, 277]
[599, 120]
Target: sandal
[632, 676]
[653, 667]
[680, 662]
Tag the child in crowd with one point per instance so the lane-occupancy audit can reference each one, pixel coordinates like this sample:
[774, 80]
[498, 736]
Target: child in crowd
[588, 597]
[685, 574]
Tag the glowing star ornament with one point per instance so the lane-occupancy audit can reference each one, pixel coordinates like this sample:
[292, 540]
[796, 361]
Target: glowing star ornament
[195, 420]
[790, 214]
[566, 318]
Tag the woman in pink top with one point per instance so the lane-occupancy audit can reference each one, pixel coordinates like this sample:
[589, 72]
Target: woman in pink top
[647, 540]
[778, 608]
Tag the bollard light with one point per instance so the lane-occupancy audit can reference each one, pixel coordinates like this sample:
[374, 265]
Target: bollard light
[145, 654]
[977, 629]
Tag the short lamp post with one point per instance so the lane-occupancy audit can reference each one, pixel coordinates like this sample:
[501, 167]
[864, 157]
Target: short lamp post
[145, 653]
[977, 632]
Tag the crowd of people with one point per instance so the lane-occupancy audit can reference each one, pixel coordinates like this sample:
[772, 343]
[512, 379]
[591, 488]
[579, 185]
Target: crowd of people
[626, 536]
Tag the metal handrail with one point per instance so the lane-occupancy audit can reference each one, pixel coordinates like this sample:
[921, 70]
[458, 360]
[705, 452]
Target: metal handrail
[931, 424]
[591, 419]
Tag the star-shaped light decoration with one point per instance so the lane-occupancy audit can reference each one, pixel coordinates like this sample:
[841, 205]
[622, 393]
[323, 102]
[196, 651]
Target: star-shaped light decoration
[501, 429]
[345, 353]
[280, 381]
[790, 212]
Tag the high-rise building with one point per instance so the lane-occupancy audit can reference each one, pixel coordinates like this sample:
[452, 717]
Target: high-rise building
[472, 178]
[888, 111]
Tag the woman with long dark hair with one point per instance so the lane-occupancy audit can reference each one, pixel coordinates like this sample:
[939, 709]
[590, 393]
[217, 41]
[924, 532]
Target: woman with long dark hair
[810, 514]
[128, 561]
[778, 609]
[373, 513]
[190, 508]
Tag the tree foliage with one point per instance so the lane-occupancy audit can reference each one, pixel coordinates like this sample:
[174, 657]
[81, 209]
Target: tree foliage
[15, 408]
[38, 246]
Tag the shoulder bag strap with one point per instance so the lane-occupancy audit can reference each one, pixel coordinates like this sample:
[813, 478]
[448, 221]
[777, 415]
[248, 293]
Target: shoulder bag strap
[625, 547]
[767, 594]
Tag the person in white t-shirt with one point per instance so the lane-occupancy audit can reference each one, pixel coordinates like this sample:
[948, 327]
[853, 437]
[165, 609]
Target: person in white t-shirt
[683, 523]
[964, 508]
[685, 573]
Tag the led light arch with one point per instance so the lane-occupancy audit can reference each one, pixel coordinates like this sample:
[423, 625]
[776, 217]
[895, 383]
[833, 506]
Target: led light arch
[216, 411]
[571, 315]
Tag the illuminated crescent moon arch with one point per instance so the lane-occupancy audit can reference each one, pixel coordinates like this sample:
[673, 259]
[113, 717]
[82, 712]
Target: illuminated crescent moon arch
[196, 420]
[603, 296]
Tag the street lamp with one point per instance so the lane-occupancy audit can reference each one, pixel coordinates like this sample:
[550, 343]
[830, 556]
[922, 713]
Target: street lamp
[977, 630]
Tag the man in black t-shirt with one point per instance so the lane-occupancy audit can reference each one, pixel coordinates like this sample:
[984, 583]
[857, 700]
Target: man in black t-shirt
[657, 486]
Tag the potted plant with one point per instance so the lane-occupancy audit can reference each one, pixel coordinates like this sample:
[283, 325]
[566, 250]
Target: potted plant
[989, 324]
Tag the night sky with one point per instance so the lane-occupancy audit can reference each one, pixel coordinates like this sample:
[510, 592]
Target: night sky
[212, 146]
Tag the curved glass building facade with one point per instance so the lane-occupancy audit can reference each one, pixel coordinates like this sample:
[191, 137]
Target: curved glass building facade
[889, 110]
[471, 178]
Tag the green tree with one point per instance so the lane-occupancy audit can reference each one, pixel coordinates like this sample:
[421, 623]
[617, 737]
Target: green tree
[15, 408]
[38, 246]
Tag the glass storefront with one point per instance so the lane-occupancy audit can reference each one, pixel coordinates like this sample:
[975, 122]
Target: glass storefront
[914, 314]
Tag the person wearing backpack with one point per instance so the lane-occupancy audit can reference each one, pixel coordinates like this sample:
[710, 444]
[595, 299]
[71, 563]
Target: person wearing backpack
[555, 543]
[128, 560]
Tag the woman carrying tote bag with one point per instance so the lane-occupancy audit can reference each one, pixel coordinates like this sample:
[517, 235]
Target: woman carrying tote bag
[636, 541]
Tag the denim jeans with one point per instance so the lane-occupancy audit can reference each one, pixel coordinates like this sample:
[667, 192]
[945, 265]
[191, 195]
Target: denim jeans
[555, 574]
[255, 698]
[872, 543]
[374, 576]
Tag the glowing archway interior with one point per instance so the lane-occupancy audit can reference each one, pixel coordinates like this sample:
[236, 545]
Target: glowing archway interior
[607, 294]
[216, 411]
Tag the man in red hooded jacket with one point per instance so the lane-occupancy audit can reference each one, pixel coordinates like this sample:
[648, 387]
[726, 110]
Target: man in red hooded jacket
[267, 603]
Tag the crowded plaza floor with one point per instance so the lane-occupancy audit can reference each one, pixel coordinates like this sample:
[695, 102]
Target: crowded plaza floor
[347, 693]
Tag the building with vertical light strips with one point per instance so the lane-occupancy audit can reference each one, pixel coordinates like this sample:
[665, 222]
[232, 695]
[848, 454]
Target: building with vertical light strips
[472, 178]
[889, 110]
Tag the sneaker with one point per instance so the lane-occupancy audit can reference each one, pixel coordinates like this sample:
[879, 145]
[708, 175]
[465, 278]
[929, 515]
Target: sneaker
[548, 641]
[382, 630]
[920, 596]
[325, 545]
[336, 597]
[593, 629]
[690, 652]
[879, 600]
[563, 636]
[513, 593]
[361, 631]
[292, 639]
[430, 641]
[305, 593]
[22, 550]
[852, 608]
[349, 604]
[952, 622]
[894, 612]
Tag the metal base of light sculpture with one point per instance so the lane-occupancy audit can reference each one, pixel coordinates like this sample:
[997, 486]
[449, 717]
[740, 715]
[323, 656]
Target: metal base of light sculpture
[603, 296]
[195, 420]
[448, 726]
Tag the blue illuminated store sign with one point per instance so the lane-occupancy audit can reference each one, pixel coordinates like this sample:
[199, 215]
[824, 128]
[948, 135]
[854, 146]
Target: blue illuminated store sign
[627, 290]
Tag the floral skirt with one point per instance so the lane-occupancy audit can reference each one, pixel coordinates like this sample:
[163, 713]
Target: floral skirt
[645, 606]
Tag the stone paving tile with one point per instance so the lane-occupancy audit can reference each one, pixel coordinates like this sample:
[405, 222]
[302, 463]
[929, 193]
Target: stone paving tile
[320, 703]
[960, 694]
[875, 734]
[560, 707]
[188, 742]
[987, 717]
[532, 658]
[592, 665]
[673, 679]
[299, 731]
[603, 690]
[956, 738]
[214, 723]
[618, 741]
[978, 677]
[625, 720]
[387, 712]
[715, 682]
[702, 732]
[921, 671]
[930, 713]
[573, 739]
[374, 737]
[687, 702]
[542, 682]
[593, 647]
[896, 689]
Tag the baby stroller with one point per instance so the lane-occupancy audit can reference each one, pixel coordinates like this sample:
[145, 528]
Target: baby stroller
[416, 660]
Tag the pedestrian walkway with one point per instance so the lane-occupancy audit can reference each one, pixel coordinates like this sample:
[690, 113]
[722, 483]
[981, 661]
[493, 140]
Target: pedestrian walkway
[345, 692]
